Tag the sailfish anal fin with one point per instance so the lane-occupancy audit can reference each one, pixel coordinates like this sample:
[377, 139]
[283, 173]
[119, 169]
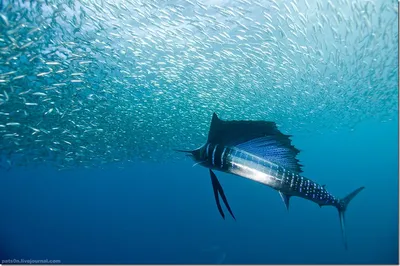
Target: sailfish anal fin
[285, 199]
[218, 190]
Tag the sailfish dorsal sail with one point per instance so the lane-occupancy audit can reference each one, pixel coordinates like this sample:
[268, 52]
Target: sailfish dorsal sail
[260, 138]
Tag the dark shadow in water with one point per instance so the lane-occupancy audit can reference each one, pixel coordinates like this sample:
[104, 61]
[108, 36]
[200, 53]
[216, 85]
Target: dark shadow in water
[211, 255]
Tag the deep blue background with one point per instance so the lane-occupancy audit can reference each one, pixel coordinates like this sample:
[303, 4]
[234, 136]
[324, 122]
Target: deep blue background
[165, 213]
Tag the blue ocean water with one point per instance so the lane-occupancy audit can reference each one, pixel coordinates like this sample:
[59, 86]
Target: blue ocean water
[165, 212]
[105, 90]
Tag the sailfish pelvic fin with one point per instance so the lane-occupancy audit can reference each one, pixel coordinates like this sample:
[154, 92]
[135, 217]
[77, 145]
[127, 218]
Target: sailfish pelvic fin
[218, 190]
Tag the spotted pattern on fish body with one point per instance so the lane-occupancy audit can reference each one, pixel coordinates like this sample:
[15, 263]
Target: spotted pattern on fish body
[236, 161]
[296, 185]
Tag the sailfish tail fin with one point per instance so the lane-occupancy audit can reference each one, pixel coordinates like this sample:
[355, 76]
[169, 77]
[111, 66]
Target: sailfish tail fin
[342, 206]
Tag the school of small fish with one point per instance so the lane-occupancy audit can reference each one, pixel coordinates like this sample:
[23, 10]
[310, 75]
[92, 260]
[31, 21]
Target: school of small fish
[92, 82]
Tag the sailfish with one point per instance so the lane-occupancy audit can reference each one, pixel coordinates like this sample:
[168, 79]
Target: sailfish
[258, 151]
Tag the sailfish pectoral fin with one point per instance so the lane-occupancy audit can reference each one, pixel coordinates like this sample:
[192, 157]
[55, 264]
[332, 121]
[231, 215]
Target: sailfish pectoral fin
[218, 190]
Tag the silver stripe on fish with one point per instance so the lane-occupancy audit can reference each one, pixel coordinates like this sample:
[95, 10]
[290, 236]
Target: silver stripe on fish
[213, 154]
[222, 157]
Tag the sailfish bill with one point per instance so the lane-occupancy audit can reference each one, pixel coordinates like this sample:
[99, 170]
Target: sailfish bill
[258, 151]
